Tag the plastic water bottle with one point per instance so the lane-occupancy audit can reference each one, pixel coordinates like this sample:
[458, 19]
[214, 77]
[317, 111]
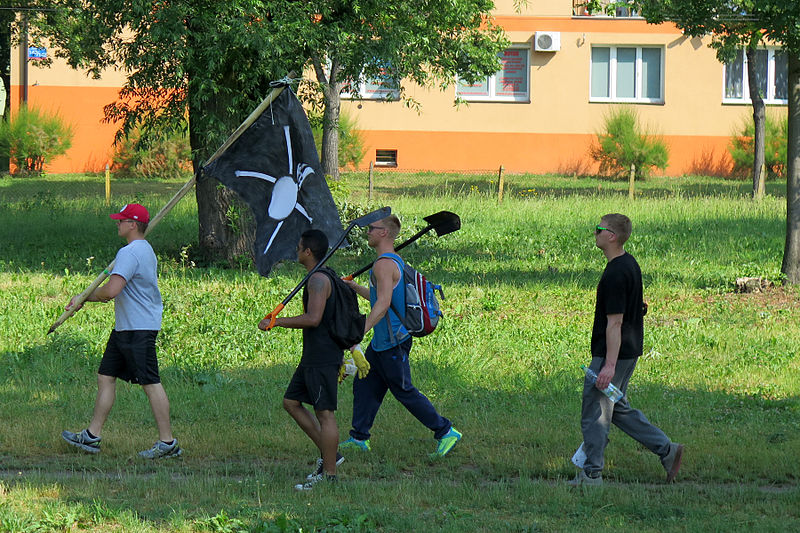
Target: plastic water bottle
[612, 391]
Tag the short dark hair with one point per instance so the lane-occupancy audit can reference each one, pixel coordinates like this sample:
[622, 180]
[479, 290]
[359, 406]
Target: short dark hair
[316, 241]
[142, 226]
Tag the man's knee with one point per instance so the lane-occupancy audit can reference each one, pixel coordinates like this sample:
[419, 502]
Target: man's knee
[326, 417]
[290, 405]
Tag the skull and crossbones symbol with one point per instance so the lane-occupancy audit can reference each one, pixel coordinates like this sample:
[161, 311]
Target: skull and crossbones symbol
[285, 190]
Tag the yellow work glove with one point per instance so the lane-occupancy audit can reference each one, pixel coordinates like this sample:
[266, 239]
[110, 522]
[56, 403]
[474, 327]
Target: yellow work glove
[362, 365]
[348, 368]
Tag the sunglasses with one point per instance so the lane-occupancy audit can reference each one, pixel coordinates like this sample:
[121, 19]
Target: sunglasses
[371, 227]
[598, 229]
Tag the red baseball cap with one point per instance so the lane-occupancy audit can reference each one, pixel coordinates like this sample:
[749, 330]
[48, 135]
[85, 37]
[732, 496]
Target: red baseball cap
[133, 212]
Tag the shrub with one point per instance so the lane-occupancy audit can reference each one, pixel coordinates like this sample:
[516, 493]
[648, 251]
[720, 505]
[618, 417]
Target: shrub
[31, 138]
[163, 155]
[741, 147]
[623, 144]
[351, 144]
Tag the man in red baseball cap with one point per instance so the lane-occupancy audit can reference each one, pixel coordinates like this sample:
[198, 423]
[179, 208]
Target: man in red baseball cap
[131, 349]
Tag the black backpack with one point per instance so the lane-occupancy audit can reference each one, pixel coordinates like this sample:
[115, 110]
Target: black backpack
[347, 327]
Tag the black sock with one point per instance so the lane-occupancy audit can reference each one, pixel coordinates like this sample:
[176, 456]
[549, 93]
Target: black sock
[170, 443]
[90, 434]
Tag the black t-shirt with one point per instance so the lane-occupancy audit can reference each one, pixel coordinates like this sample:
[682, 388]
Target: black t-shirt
[319, 349]
[620, 291]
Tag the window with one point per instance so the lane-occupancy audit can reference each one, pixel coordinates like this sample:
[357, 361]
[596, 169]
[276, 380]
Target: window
[385, 158]
[604, 8]
[509, 84]
[627, 74]
[383, 87]
[771, 76]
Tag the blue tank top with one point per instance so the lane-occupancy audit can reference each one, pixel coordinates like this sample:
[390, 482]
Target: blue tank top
[389, 331]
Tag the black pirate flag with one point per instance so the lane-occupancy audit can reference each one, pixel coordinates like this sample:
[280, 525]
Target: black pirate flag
[274, 167]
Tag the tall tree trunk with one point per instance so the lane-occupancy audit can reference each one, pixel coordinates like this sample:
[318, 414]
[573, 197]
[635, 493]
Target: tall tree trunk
[759, 120]
[330, 130]
[226, 226]
[328, 79]
[791, 252]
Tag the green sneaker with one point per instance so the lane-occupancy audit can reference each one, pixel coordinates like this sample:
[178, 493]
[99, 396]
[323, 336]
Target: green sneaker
[447, 442]
[355, 444]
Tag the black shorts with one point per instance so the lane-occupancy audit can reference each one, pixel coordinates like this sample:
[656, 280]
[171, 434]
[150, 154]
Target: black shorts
[315, 385]
[131, 355]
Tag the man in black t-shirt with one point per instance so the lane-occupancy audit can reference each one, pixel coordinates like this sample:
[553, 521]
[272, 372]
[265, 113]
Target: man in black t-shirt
[316, 378]
[617, 339]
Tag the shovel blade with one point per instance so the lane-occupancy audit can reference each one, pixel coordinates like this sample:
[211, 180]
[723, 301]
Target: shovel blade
[443, 222]
[369, 218]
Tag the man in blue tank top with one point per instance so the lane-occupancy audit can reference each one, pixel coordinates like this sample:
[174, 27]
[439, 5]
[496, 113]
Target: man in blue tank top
[388, 352]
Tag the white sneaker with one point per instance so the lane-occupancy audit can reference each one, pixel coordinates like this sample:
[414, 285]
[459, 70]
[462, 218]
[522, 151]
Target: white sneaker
[319, 478]
[318, 470]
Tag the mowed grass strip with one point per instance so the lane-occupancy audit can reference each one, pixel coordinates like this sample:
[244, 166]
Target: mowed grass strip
[720, 371]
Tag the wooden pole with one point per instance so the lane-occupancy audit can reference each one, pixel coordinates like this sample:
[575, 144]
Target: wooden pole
[108, 186]
[500, 184]
[168, 207]
[371, 168]
[630, 181]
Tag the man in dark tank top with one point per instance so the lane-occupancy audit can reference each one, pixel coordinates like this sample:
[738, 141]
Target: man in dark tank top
[316, 378]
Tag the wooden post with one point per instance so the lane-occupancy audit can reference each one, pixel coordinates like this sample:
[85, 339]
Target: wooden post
[108, 186]
[371, 167]
[630, 182]
[500, 185]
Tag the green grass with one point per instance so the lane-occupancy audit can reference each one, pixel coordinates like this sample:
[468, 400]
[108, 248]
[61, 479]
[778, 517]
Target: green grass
[720, 371]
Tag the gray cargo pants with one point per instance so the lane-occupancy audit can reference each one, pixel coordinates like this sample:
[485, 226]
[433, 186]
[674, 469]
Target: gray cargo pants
[598, 413]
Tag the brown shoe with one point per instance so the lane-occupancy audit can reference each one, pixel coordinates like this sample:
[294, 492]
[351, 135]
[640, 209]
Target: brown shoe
[672, 462]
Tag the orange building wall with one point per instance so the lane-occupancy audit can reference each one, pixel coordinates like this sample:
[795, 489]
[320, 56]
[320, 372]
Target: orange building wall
[82, 108]
[531, 152]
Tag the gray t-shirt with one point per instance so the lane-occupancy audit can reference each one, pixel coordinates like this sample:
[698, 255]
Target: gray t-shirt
[138, 306]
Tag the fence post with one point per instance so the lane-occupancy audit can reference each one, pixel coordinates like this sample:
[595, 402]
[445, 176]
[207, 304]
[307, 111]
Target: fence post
[500, 185]
[371, 167]
[108, 186]
[630, 181]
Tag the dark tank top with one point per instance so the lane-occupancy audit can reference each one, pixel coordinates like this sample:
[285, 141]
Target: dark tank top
[318, 347]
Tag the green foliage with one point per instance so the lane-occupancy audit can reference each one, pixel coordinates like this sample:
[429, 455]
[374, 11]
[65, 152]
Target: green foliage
[190, 51]
[167, 155]
[351, 142]
[31, 138]
[624, 144]
[741, 147]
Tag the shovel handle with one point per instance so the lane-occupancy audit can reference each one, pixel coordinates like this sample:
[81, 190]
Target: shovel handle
[273, 316]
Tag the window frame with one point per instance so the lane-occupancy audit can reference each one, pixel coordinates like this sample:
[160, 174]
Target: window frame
[491, 80]
[612, 75]
[769, 98]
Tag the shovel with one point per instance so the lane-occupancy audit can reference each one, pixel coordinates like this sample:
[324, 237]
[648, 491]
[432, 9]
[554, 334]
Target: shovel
[361, 222]
[442, 223]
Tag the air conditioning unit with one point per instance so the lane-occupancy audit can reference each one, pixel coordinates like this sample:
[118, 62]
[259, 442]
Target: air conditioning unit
[547, 41]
